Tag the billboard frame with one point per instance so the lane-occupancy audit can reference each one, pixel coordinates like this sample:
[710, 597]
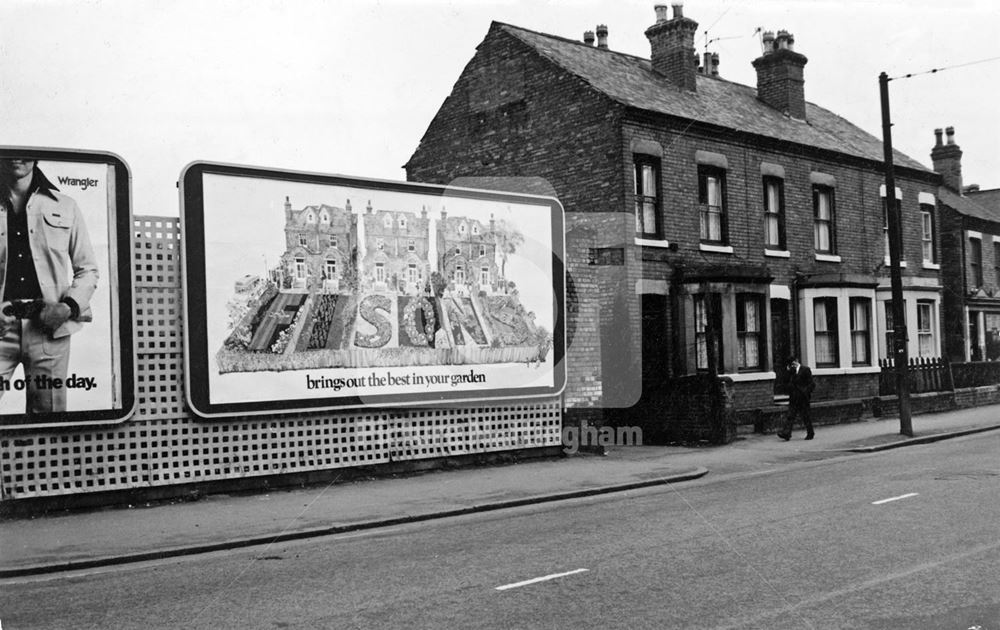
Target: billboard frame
[194, 291]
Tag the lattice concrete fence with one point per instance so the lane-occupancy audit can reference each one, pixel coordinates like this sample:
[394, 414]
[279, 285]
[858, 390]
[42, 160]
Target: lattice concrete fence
[163, 444]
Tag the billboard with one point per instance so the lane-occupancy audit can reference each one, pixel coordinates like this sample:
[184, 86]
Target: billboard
[306, 291]
[66, 351]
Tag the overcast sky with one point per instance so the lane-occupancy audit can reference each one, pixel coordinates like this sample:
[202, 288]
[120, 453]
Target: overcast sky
[350, 87]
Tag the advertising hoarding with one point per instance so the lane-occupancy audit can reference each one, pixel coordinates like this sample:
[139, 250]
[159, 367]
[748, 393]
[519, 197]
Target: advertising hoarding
[309, 291]
[66, 349]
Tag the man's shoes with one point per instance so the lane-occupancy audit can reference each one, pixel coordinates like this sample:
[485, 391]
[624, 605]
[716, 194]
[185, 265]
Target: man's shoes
[785, 436]
[810, 436]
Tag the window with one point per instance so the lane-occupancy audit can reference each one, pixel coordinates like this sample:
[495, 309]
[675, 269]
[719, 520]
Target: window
[387, 221]
[310, 217]
[300, 268]
[861, 316]
[460, 274]
[333, 241]
[774, 212]
[380, 244]
[749, 332]
[925, 328]
[927, 232]
[411, 271]
[482, 251]
[462, 229]
[823, 219]
[647, 199]
[411, 245]
[484, 275]
[324, 217]
[976, 261]
[331, 268]
[996, 262]
[402, 223]
[475, 229]
[303, 241]
[825, 326]
[379, 272]
[885, 227]
[708, 330]
[712, 204]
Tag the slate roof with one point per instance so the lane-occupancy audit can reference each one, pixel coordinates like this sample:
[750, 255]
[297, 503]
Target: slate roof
[979, 205]
[631, 81]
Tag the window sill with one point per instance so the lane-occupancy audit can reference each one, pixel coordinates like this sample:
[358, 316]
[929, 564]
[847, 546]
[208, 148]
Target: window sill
[834, 371]
[888, 263]
[750, 376]
[720, 249]
[652, 242]
[834, 258]
[930, 265]
[777, 253]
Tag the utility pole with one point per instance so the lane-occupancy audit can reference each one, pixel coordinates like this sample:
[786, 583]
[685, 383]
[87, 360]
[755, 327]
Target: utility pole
[893, 211]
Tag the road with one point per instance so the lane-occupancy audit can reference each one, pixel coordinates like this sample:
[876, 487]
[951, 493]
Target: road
[905, 539]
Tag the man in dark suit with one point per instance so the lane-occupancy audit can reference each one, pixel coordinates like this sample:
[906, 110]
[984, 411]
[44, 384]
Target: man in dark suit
[801, 383]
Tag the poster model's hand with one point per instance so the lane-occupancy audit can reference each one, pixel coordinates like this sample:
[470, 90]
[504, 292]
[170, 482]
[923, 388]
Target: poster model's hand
[7, 321]
[54, 315]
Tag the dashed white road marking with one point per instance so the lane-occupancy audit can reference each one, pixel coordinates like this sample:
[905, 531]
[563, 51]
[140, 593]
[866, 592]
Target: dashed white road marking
[544, 578]
[902, 496]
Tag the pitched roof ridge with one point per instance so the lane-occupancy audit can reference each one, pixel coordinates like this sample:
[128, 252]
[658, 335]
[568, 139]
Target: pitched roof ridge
[571, 41]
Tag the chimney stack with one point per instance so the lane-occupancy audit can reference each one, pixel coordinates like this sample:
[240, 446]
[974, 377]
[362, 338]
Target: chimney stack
[588, 38]
[780, 81]
[602, 36]
[672, 45]
[947, 159]
[715, 64]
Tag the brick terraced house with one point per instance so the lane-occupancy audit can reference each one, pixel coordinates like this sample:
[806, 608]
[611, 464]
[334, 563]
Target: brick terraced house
[970, 258]
[712, 227]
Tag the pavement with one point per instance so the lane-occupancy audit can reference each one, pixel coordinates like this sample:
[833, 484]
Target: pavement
[96, 538]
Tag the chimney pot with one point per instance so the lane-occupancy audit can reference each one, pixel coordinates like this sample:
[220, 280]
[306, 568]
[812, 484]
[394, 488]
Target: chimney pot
[588, 38]
[602, 36]
[707, 63]
[715, 64]
[661, 13]
[950, 132]
[937, 137]
[678, 8]
[768, 40]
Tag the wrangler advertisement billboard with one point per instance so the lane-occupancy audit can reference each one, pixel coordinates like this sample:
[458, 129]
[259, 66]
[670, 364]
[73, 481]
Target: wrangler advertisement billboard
[66, 351]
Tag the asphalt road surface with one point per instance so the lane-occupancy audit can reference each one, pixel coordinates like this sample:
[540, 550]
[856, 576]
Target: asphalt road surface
[904, 539]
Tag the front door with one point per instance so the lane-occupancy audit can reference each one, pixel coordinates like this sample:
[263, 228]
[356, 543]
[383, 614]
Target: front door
[781, 343]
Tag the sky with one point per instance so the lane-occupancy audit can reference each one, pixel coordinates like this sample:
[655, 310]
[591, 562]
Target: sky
[350, 87]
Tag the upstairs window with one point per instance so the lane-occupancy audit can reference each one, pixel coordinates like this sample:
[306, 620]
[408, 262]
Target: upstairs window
[976, 262]
[310, 217]
[774, 213]
[885, 227]
[411, 245]
[824, 213]
[927, 232]
[996, 262]
[324, 217]
[387, 221]
[825, 326]
[303, 241]
[402, 223]
[647, 197]
[712, 204]
[475, 229]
